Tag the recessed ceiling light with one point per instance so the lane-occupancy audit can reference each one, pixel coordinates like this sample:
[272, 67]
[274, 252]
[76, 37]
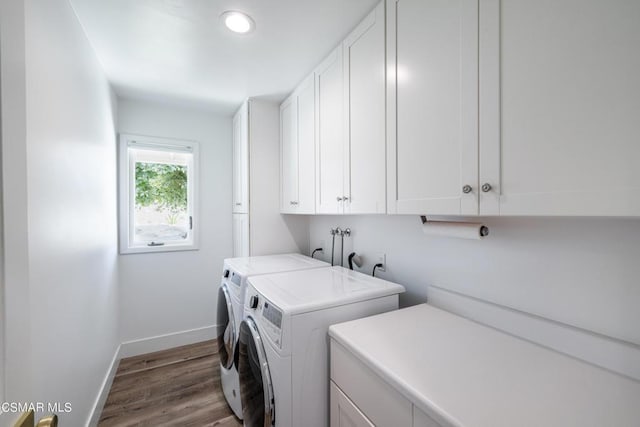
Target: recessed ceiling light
[238, 22]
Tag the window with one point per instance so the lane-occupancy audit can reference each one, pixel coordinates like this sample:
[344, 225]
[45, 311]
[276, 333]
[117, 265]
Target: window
[157, 194]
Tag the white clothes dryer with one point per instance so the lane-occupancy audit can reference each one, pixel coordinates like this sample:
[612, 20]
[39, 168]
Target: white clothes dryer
[235, 273]
[283, 353]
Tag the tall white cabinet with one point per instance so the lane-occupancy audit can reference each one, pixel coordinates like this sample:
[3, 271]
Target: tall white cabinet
[240, 233]
[258, 228]
[241, 160]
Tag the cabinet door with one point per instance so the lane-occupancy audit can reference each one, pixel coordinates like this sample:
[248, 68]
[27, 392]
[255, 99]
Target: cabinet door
[343, 412]
[560, 107]
[306, 98]
[330, 120]
[240, 235]
[432, 49]
[365, 157]
[241, 161]
[289, 155]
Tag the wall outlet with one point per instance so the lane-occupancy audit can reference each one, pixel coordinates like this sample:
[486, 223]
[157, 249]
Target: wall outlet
[380, 258]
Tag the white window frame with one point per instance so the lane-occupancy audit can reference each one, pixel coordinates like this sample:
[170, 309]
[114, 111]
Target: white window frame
[126, 188]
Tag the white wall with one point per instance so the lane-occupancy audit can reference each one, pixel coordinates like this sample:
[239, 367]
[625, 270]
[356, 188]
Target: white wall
[582, 272]
[59, 209]
[165, 293]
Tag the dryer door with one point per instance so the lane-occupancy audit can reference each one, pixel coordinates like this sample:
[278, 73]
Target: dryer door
[258, 403]
[226, 328]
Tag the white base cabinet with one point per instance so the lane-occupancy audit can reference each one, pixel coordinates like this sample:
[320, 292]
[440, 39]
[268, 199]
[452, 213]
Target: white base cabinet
[344, 413]
[357, 392]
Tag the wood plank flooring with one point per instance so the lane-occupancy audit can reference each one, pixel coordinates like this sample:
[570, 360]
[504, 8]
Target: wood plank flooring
[175, 387]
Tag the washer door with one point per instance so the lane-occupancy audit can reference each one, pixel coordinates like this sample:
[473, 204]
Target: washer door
[226, 328]
[256, 391]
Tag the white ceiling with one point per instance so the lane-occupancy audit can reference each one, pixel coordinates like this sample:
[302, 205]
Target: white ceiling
[179, 51]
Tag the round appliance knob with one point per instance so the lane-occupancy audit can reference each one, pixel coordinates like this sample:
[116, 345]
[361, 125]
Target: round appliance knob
[253, 301]
[226, 274]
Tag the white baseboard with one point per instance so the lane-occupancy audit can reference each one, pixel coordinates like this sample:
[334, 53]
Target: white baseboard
[103, 393]
[164, 342]
[600, 350]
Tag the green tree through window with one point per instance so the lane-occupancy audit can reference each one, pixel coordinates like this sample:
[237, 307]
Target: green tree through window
[163, 186]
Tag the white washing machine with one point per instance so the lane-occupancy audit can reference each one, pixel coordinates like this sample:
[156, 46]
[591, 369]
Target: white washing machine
[235, 273]
[284, 352]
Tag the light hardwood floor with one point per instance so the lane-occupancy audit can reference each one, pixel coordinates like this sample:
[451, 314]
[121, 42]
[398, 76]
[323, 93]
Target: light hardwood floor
[176, 387]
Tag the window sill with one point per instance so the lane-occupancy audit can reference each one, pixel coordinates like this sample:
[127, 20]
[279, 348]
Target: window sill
[156, 249]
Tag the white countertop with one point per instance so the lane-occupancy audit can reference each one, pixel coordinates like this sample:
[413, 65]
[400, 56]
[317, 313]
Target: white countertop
[462, 373]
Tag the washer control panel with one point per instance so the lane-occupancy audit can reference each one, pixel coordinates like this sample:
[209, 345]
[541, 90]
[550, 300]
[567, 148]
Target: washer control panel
[270, 317]
[235, 278]
[272, 314]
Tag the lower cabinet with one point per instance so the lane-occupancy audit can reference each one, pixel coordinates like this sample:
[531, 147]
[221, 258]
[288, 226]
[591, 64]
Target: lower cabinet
[357, 394]
[344, 413]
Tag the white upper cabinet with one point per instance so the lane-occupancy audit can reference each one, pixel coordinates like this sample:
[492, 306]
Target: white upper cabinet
[330, 127]
[307, 146]
[241, 160]
[560, 107]
[432, 115]
[350, 87]
[364, 96]
[493, 107]
[297, 148]
[289, 155]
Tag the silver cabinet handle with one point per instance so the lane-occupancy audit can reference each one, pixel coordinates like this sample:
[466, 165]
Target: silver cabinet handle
[238, 204]
[345, 198]
[339, 198]
[486, 187]
[293, 203]
[467, 189]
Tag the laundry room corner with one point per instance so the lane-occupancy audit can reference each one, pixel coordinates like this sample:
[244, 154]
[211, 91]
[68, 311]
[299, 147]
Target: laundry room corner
[167, 298]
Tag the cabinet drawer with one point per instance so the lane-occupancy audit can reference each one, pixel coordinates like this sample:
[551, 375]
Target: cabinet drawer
[367, 390]
[344, 412]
